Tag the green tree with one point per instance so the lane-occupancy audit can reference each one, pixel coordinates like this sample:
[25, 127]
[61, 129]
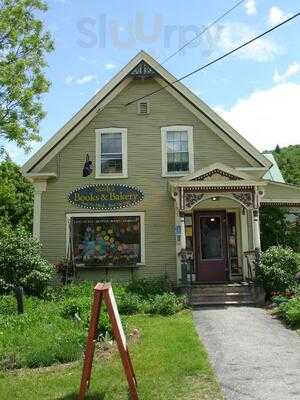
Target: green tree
[275, 229]
[288, 160]
[16, 196]
[21, 262]
[23, 47]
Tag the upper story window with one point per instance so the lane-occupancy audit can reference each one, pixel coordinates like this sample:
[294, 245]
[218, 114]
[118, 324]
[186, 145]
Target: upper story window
[111, 153]
[177, 150]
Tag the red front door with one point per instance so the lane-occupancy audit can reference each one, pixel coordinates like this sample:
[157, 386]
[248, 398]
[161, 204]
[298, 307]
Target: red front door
[211, 246]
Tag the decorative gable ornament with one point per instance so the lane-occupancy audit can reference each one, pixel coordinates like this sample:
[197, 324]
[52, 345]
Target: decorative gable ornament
[191, 199]
[143, 71]
[217, 175]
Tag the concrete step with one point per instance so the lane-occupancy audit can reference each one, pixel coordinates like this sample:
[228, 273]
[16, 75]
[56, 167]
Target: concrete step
[221, 294]
[216, 290]
[220, 299]
[222, 303]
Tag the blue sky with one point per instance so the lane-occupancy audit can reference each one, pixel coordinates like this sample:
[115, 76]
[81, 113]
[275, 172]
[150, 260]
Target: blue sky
[257, 89]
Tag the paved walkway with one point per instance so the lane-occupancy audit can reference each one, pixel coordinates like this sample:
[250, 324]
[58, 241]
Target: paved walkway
[254, 356]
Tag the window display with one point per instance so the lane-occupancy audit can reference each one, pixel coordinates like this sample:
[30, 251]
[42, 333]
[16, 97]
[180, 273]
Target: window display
[107, 240]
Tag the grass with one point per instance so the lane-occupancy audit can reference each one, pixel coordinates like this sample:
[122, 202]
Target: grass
[48, 332]
[169, 360]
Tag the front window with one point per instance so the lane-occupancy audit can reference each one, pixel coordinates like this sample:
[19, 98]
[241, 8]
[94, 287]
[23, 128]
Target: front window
[177, 148]
[177, 151]
[111, 153]
[107, 240]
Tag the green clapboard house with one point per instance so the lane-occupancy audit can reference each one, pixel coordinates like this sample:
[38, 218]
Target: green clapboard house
[159, 185]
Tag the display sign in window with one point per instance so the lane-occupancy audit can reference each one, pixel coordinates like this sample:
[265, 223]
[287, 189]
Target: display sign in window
[106, 240]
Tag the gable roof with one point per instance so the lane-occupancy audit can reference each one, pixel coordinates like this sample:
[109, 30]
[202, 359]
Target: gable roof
[216, 169]
[117, 84]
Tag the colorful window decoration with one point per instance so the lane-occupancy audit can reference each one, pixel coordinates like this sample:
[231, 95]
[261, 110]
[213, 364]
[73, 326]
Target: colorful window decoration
[105, 241]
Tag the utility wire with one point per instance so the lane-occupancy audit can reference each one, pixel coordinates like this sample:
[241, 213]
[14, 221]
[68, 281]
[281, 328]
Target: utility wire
[217, 59]
[204, 30]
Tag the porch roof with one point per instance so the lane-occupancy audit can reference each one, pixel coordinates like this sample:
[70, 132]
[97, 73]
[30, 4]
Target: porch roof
[281, 195]
[216, 185]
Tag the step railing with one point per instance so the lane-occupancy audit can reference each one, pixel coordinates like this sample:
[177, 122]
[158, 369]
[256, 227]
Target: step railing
[253, 258]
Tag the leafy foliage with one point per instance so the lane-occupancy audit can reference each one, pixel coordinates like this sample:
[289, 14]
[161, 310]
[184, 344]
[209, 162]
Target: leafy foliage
[16, 197]
[166, 304]
[288, 159]
[21, 262]
[54, 327]
[275, 229]
[149, 287]
[290, 312]
[279, 266]
[23, 46]
[277, 300]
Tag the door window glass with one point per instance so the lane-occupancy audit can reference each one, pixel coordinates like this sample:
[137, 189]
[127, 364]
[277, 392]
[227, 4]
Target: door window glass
[211, 238]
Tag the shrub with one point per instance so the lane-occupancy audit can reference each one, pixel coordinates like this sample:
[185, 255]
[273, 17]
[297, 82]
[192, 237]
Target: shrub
[21, 263]
[290, 312]
[149, 287]
[279, 266]
[80, 309]
[7, 305]
[129, 303]
[279, 300]
[166, 304]
[71, 307]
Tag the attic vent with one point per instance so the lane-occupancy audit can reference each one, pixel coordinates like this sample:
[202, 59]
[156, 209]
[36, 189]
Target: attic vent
[143, 107]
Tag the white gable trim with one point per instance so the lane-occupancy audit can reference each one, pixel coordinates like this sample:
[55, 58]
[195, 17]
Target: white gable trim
[246, 155]
[107, 93]
[69, 131]
[216, 167]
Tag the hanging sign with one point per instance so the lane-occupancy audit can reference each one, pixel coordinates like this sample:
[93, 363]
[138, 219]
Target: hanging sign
[104, 292]
[105, 196]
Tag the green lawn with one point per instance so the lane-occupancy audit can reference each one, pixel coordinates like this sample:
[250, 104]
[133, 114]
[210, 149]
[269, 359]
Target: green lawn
[169, 360]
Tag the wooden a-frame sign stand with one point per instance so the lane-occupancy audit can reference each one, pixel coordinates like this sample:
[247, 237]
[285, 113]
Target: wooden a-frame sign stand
[103, 292]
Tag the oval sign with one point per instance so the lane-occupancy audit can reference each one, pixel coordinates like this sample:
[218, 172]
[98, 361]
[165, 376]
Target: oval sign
[105, 196]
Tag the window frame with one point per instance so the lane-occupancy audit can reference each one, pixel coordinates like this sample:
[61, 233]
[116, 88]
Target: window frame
[177, 128]
[141, 215]
[98, 173]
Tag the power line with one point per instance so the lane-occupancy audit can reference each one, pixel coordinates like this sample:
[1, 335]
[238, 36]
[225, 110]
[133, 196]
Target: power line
[204, 30]
[216, 59]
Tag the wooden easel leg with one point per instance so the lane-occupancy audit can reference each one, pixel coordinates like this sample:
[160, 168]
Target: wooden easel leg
[90, 347]
[131, 367]
[129, 375]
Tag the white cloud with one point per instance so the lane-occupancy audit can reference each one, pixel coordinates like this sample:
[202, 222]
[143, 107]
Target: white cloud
[231, 35]
[267, 117]
[276, 16]
[85, 79]
[110, 66]
[69, 79]
[293, 69]
[250, 7]
[80, 81]
[87, 60]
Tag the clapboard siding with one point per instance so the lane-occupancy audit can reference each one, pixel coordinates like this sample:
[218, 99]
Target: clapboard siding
[144, 170]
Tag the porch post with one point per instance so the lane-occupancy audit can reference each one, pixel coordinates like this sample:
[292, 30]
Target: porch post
[256, 229]
[182, 233]
[39, 188]
[177, 201]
